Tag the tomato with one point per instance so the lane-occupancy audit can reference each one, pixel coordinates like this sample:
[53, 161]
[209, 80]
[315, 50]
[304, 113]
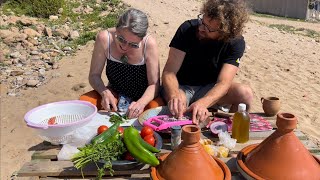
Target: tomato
[150, 139]
[121, 130]
[52, 121]
[102, 128]
[128, 156]
[145, 131]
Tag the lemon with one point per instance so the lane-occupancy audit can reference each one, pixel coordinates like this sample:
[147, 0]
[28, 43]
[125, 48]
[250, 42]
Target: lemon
[223, 151]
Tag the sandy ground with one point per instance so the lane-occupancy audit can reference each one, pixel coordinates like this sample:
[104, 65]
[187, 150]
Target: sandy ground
[275, 64]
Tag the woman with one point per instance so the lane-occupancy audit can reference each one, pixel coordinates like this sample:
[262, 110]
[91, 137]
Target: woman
[132, 65]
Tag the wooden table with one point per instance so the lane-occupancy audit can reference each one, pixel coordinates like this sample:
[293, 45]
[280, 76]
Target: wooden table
[44, 164]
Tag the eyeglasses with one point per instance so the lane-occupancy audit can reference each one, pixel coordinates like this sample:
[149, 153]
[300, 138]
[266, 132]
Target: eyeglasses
[200, 19]
[122, 40]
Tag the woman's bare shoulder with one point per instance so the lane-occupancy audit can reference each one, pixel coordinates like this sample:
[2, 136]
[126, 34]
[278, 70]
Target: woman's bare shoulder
[104, 34]
[151, 42]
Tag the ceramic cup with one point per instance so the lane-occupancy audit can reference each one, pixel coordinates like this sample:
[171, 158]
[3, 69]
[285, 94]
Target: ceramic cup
[270, 105]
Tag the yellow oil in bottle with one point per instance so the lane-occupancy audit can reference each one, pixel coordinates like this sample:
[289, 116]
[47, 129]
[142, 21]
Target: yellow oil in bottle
[241, 124]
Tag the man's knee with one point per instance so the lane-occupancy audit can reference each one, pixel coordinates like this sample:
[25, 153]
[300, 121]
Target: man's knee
[246, 94]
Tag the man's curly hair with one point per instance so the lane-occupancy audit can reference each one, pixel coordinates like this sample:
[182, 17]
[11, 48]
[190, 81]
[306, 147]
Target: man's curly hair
[233, 14]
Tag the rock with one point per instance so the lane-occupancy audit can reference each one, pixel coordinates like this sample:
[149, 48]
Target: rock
[35, 58]
[67, 48]
[40, 28]
[31, 33]
[25, 22]
[16, 73]
[15, 61]
[12, 19]
[42, 72]
[15, 55]
[27, 44]
[77, 10]
[62, 33]
[20, 37]
[4, 33]
[60, 10]
[9, 40]
[52, 17]
[32, 83]
[45, 56]
[48, 32]
[74, 35]
[88, 10]
[33, 41]
[55, 66]
[34, 52]
[14, 29]
[79, 86]
[104, 13]
[70, 75]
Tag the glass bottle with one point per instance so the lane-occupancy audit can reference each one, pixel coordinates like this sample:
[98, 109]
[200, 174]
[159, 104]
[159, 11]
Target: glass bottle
[241, 124]
[175, 136]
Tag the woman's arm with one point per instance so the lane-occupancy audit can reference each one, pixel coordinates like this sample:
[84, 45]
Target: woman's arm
[153, 74]
[97, 65]
[153, 71]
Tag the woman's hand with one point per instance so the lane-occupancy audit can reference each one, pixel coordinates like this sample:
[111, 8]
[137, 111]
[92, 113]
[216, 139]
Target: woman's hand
[135, 109]
[108, 102]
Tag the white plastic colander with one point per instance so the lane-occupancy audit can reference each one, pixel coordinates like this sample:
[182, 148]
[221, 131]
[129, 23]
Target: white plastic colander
[56, 121]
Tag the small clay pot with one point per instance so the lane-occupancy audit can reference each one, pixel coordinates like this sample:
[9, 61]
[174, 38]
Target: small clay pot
[280, 156]
[190, 161]
[270, 105]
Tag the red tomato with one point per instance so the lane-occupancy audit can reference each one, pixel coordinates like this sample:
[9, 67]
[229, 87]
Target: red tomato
[145, 131]
[128, 156]
[150, 139]
[102, 128]
[52, 121]
[121, 130]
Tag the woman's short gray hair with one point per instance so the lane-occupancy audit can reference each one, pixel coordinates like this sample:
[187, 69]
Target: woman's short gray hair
[135, 21]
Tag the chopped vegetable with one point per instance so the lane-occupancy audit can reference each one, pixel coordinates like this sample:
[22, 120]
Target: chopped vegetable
[115, 118]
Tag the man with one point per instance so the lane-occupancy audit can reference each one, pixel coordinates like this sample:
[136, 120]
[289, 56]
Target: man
[203, 60]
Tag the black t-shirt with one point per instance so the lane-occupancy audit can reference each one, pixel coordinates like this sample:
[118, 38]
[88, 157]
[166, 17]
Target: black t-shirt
[204, 58]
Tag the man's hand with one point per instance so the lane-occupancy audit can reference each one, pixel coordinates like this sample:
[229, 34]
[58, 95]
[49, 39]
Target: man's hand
[177, 106]
[108, 101]
[199, 111]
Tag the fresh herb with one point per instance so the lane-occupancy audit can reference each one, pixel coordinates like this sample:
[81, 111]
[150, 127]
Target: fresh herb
[102, 152]
[115, 118]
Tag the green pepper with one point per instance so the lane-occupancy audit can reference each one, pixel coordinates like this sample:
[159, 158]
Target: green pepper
[106, 134]
[131, 138]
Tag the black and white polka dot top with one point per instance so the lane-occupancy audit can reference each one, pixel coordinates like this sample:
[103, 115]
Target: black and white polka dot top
[127, 79]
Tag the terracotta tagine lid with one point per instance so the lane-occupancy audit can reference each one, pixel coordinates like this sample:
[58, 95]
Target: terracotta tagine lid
[190, 161]
[280, 156]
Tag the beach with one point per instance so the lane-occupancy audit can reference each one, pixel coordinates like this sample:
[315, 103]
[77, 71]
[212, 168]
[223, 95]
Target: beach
[275, 63]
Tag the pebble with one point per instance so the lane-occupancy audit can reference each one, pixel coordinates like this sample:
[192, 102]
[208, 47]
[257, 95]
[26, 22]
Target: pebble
[32, 83]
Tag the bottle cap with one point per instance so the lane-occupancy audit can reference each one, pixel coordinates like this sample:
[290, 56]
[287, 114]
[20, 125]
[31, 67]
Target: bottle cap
[242, 107]
[175, 127]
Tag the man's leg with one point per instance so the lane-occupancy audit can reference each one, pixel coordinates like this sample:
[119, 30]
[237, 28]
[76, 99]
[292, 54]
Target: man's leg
[238, 93]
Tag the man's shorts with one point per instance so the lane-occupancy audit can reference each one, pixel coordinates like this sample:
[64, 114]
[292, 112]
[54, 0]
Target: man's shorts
[194, 93]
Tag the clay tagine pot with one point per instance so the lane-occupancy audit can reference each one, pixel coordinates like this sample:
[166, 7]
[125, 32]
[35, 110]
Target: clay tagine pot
[280, 156]
[190, 161]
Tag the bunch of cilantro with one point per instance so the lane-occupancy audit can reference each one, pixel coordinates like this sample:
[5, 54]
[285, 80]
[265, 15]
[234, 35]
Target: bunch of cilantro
[101, 152]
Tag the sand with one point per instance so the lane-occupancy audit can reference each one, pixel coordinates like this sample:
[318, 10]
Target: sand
[275, 63]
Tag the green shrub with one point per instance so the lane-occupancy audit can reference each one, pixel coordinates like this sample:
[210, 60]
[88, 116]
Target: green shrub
[36, 8]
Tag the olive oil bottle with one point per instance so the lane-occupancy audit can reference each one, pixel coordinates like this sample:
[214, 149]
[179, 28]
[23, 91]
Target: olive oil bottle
[241, 124]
